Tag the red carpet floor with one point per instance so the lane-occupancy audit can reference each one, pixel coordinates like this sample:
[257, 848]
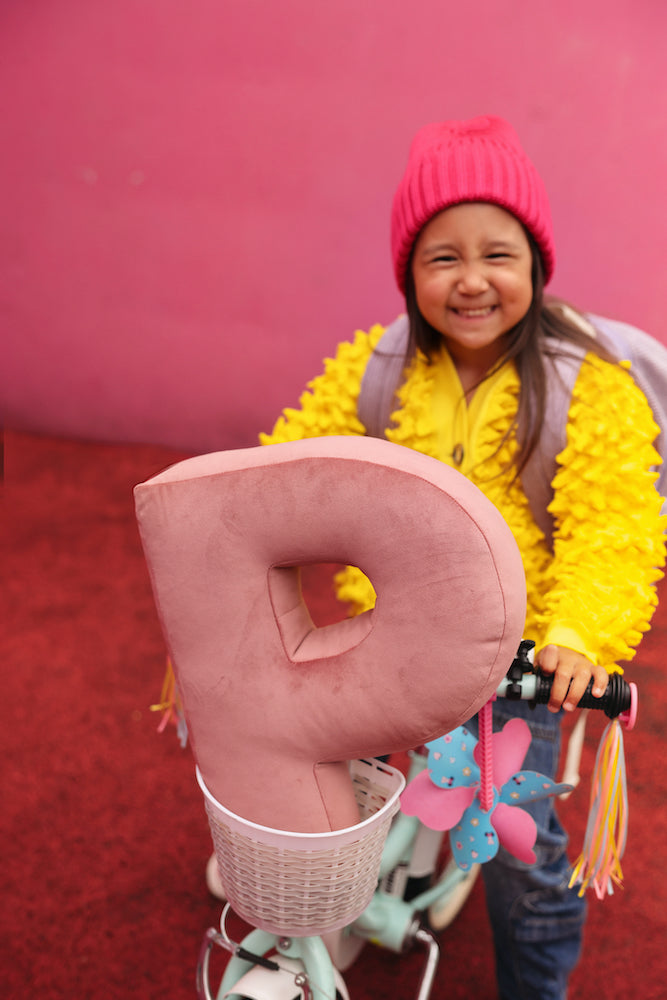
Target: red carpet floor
[104, 838]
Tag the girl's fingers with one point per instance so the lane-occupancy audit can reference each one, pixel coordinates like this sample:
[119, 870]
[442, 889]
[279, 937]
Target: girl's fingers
[572, 673]
[600, 681]
[547, 659]
[577, 687]
[580, 681]
[560, 687]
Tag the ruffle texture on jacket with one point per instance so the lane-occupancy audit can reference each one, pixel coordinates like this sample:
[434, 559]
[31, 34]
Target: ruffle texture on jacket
[609, 543]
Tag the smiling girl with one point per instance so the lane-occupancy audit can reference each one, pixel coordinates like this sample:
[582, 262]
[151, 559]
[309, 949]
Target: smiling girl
[472, 248]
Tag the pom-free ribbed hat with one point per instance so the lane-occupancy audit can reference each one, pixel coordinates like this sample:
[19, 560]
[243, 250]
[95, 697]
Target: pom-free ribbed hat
[462, 161]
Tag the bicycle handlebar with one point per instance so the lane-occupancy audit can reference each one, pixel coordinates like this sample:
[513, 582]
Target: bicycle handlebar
[524, 682]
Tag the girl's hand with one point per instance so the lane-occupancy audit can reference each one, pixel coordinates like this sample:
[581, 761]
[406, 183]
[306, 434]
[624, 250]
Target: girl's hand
[572, 672]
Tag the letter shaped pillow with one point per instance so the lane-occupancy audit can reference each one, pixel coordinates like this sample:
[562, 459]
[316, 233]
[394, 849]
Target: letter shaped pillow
[276, 706]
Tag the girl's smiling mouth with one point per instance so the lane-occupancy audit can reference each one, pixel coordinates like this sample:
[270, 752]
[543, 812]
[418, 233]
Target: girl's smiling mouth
[473, 313]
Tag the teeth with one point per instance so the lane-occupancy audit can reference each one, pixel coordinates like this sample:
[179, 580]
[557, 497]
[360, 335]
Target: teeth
[475, 312]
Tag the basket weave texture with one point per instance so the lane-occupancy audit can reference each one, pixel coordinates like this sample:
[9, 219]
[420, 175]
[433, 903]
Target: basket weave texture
[301, 885]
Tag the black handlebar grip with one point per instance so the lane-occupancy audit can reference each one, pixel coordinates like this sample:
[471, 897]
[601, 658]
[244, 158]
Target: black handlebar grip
[616, 699]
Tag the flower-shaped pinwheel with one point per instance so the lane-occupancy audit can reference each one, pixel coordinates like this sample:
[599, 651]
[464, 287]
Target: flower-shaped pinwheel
[451, 794]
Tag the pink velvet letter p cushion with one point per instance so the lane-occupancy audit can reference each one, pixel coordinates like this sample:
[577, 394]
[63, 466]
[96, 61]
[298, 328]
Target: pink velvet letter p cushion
[276, 706]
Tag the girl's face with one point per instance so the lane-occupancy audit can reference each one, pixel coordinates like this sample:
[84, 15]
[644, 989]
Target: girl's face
[472, 267]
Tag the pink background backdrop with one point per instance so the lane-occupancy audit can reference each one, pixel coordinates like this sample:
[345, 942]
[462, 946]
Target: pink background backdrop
[195, 196]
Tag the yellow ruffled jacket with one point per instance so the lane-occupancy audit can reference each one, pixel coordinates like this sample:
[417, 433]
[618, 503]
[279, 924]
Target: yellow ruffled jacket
[596, 591]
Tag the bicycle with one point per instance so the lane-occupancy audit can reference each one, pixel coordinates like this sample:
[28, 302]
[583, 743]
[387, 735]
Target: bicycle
[274, 963]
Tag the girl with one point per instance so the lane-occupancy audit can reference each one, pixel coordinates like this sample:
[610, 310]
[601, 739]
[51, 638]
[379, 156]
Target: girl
[472, 247]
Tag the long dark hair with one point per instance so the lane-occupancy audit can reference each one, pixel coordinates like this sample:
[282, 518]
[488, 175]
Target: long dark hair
[544, 331]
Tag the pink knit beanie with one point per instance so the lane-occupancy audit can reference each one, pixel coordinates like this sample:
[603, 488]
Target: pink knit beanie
[476, 160]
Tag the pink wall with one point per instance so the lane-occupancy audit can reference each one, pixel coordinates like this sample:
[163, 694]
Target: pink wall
[195, 196]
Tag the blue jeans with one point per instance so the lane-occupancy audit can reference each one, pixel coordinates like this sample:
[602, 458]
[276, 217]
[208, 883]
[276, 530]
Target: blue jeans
[537, 922]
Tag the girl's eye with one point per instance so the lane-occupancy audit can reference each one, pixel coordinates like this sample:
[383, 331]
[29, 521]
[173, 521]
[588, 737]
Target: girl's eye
[498, 256]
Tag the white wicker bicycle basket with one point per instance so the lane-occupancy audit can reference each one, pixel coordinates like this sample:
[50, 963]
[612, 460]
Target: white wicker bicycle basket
[302, 884]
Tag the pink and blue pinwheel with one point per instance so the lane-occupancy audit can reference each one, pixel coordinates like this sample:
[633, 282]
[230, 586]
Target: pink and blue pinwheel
[451, 794]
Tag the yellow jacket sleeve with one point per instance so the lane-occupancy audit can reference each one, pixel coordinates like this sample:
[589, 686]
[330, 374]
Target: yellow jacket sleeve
[609, 541]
